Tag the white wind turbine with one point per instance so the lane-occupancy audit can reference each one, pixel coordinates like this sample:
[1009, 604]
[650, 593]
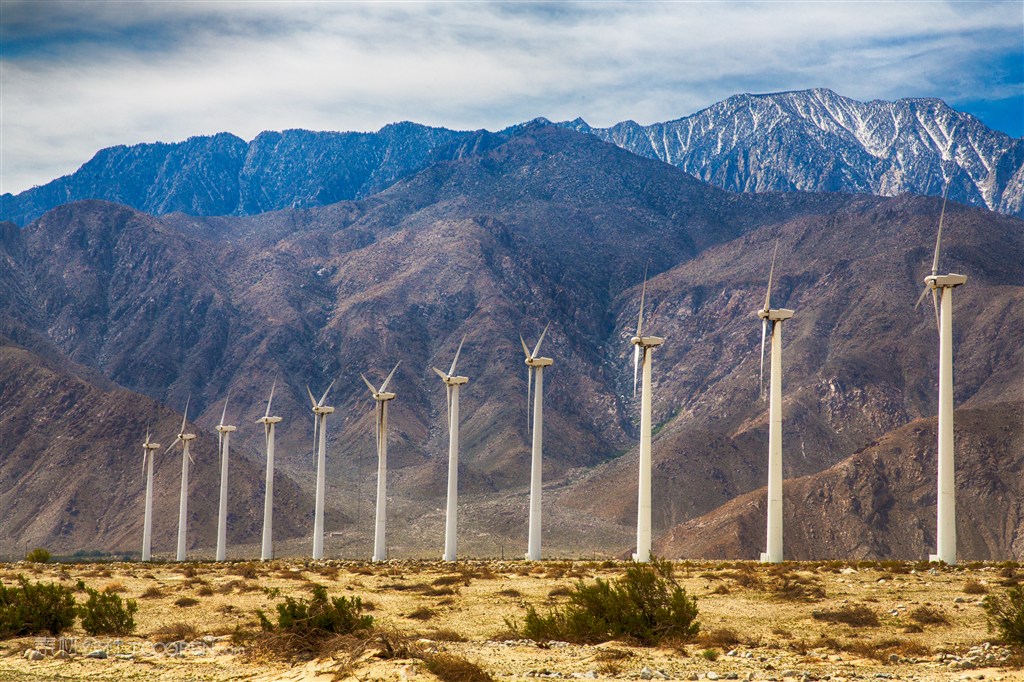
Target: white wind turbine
[148, 449]
[451, 522]
[381, 396]
[223, 438]
[186, 458]
[942, 287]
[643, 347]
[320, 412]
[267, 549]
[535, 366]
[775, 318]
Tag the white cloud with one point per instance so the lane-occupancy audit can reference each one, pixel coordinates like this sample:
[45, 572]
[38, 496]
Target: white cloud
[82, 76]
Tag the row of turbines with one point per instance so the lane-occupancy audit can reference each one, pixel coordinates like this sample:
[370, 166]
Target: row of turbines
[940, 286]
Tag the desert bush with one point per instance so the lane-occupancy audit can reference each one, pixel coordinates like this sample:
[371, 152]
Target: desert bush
[439, 592]
[452, 668]
[725, 638]
[35, 609]
[185, 602]
[319, 615]
[560, 591]
[246, 570]
[447, 580]
[928, 615]
[39, 555]
[1006, 615]
[114, 586]
[796, 588]
[645, 604]
[974, 587]
[104, 613]
[854, 615]
[710, 654]
[509, 592]
[881, 650]
[422, 613]
[174, 632]
[205, 591]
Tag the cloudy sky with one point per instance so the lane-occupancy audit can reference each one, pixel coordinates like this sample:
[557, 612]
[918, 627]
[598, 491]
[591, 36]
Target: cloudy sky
[79, 76]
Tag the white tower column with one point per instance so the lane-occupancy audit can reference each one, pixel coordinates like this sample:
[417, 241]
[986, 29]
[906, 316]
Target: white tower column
[533, 551]
[147, 523]
[774, 553]
[321, 463]
[222, 515]
[380, 550]
[451, 517]
[183, 502]
[643, 517]
[946, 512]
[267, 547]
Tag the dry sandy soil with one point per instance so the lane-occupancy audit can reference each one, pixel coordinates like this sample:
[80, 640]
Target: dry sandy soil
[757, 622]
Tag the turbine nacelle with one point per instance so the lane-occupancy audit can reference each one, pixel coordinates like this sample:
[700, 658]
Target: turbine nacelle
[151, 446]
[268, 420]
[384, 396]
[647, 341]
[775, 315]
[944, 281]
[323, 409]
[539, 362]
[224, 428]
[186, 436]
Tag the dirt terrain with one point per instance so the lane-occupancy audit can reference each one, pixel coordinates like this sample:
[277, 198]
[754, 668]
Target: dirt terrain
[757, 622]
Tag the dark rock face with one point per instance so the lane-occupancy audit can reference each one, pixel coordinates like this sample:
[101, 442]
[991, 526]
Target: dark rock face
[816, 140]
[547, 225]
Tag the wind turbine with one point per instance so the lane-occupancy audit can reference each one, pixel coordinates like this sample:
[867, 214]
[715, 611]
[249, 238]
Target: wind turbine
[223, 438]
[267, 549]
[451, 522]
[942, 287]
[320, 412]
[186, 458]
[535, 366]
[643, 347]
[380, 549]
[774, 317]
[148, 449]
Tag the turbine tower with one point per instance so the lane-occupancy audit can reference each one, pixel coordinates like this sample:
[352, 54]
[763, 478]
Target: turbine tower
[267, 549]
[320, 412]
[148, 449]
[186, 459]
[535, 366]
[942, 287]
[643, 347]
[451, 523]
[774, 318]
[223, 438]
[380, 549]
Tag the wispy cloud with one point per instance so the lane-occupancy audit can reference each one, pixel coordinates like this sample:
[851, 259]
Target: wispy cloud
[80, 76]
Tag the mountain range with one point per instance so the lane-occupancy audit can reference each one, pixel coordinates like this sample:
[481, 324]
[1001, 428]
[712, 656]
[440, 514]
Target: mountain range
[812, 140]
[110, 316]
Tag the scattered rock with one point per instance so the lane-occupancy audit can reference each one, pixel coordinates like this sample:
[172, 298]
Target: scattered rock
[99, 653]
[646, 674]
[33, 655]
[711, 675]
[62, 655]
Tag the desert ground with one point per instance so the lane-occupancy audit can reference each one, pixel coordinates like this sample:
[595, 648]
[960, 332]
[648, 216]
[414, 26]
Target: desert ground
[196, 621]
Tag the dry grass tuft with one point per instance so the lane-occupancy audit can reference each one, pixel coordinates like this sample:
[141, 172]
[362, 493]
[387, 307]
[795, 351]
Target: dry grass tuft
[151, 592]
[452, 668]
[185, 602]
[974, 587]
[422, 613]
[928, 615]
[174, 632]
[854, 615]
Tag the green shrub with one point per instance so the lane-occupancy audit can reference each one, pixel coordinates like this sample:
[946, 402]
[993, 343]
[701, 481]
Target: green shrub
[38, 555]
[645, 604]
[104, 613]
[1006, 615]
[319, 615]
[35, 609]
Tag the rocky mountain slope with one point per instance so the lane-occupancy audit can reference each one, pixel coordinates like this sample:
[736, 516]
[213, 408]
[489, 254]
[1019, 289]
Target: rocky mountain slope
[816, 140]
[551, 225]
[812, 140]
[880, 502]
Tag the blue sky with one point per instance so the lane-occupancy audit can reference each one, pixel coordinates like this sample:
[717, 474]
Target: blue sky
[76, 77]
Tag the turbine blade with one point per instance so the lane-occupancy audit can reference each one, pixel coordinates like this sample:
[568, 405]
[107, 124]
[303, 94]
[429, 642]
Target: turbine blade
[312, 400]
[185, 415]
[451, 372]
[176, 440]
[921, 297]
[324, 396]
[771, 274]
[526, 351]
[529, 393]
[147, 436]
[145, 453]
[643, 294]
[636, 366]
[938, 237]
[440, 373]
[220, 443]
[368, 384]
[536, 349]
[388, 380]
[764, 336]
[271, 399]
[225, 412]
[935, 304]
[191, 459]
